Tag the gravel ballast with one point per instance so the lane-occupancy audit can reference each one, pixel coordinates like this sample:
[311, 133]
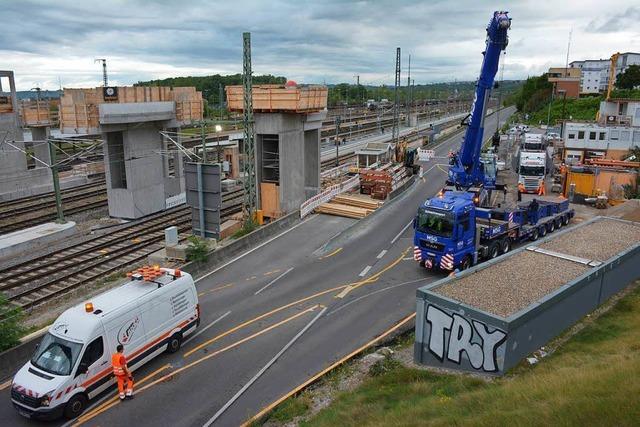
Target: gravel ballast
[599, 240]
[512, 284]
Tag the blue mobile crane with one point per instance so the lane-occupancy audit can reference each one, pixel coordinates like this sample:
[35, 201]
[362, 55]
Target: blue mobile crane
[457, 228]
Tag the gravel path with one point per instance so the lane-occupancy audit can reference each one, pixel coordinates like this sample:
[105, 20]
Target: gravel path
[599, 240]
[512, 284]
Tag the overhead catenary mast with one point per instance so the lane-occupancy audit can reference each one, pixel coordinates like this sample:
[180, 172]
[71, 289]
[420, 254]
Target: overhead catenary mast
[105, 81]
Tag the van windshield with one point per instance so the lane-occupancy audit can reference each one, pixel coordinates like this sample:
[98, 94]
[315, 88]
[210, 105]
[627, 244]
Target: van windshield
[56, 355]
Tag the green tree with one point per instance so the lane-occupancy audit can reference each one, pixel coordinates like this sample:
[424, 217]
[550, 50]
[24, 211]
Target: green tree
[629, 79]
[11, 328]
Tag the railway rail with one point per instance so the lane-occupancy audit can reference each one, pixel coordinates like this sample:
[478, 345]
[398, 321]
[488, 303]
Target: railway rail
[34, 210]
[36, 281]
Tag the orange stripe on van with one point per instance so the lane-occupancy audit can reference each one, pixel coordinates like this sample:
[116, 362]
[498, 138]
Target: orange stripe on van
[132, 355]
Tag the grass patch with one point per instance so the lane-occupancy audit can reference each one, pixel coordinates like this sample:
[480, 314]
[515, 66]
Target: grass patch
[249, 225]
[577, 109]
[593, 379]
[290, 409]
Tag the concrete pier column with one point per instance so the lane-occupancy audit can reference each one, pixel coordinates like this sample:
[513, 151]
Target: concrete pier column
[39, 136]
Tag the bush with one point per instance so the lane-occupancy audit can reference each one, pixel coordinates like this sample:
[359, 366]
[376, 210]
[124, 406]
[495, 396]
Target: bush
[11, 328]
[198, 249]
[249, 225]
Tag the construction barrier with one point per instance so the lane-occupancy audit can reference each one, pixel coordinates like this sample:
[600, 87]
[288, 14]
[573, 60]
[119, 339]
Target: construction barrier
[337, 171]
[308, 206]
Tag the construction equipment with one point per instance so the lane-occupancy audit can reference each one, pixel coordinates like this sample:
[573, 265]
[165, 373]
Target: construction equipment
[612, 73]
[452, 230]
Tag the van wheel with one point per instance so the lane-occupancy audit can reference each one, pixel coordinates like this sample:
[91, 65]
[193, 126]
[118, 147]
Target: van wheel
[174, 343]
[75, 406]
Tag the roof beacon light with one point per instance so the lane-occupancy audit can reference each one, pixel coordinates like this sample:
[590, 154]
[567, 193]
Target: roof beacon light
[88, 307]
[177, 273]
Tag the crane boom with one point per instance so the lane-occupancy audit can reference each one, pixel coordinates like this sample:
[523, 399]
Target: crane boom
[466, 169]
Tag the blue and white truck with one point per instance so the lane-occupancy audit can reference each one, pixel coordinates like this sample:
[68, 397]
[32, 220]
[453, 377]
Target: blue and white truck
[451, 232]
[459, 228]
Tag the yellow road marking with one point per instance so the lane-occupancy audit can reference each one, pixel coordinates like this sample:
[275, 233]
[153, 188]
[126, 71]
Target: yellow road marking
[331, 254]
[5, 384]
[95, 413]
[344, 292]
[311, 380]
[250, 278]
[262, 316]
[272, 272]
[373, 278]
[215, 289]
[115, 399]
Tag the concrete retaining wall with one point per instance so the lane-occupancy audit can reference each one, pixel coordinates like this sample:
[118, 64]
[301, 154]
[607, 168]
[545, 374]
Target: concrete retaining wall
[30, 239]
[11, 360]
[486, 343]
[225, 253]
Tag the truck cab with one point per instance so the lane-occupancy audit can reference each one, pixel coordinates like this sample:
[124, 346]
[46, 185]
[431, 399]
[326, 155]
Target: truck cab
[532, 169]
[445, 232]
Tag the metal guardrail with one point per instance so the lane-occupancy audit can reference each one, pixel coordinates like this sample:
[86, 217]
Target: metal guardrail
[489, 344]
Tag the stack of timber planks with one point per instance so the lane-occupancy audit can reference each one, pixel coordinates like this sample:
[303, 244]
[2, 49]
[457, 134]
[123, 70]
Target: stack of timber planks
[349, 206]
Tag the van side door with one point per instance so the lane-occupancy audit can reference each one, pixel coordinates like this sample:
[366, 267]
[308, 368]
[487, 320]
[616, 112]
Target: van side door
[94, 369]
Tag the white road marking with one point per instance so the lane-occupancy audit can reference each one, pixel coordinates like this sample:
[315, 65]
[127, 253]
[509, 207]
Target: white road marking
[272, 282]
[373, 293]
[206, 327]
[365, 271]
[264, 369]
[401, 231]
[256, 248]
[381, 254]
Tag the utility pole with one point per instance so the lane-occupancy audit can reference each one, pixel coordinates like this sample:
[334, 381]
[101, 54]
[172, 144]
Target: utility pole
[409, 94]
[249, 164]
[203, 141]
[104, 70]
[337, 141]
[221, 98]
[56, 181]
[396, 107]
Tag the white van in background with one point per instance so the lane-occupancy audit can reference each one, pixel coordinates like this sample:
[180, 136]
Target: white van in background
[148, 315]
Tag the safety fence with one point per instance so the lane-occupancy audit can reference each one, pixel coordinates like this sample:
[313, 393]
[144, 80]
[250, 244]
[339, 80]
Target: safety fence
[308, 206]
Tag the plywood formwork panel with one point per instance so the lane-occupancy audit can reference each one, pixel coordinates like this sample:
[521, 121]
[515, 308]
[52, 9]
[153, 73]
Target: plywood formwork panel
[280, 98]
[79, 107]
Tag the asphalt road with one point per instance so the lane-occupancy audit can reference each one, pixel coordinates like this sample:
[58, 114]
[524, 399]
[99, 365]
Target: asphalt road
[339, 282]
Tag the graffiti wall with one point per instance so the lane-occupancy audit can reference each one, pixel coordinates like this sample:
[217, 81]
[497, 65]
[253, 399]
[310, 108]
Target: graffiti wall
[458, 341]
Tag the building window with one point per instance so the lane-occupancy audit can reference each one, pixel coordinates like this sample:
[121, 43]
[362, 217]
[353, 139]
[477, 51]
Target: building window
[625, 135]
[592, 136]
[572, 136]
[602, 136]
[613, 135]
[580, 134]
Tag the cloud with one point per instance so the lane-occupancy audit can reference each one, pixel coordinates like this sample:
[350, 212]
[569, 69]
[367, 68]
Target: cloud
[309, 41]
[617, 22]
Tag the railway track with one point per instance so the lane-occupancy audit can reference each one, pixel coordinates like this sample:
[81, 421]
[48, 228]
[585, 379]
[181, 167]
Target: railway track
[34, 210]
[38, 280]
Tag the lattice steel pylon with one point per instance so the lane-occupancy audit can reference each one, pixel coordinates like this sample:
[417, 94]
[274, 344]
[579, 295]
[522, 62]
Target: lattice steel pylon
[249, 148]
[396, 105]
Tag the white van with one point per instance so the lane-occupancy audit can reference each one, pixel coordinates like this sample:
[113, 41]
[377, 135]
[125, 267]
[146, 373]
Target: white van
[148, 315]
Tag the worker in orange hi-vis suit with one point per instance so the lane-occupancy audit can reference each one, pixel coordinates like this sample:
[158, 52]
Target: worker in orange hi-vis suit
[122, 373]
[541, 189]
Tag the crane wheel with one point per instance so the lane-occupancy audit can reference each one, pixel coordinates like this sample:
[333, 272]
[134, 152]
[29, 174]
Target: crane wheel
[494, 250]
[534, 235]
[506, 245]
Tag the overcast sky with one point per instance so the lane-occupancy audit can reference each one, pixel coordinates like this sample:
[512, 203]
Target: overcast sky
[47, 42]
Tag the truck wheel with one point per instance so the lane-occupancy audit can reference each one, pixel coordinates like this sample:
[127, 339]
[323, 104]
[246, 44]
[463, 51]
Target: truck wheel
[174, 343]
[543, 231]
[565, 219]
[465, 263]
[494, 250]
[75, 406]
[552, 227]
[506, 245]
[559, 223]
[534, 235]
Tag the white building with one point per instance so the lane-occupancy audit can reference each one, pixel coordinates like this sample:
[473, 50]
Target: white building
[594, 75]
[616, 132]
